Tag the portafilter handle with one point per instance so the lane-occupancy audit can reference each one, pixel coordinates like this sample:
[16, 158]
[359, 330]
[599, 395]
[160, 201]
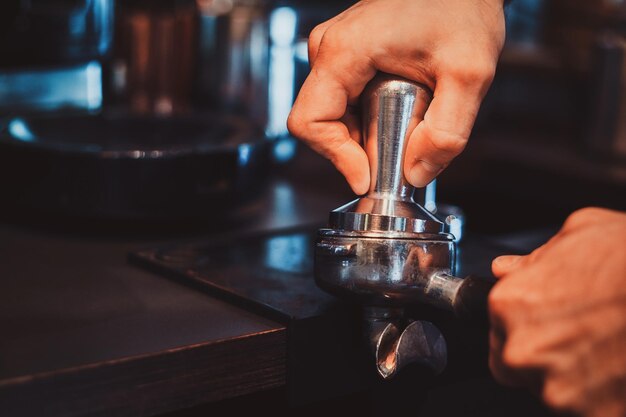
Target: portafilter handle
[392, 108]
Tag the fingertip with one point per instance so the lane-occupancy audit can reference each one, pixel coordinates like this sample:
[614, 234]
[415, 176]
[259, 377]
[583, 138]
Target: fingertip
[355, 169]
[422, 173]
[359, 186]
[502, 265]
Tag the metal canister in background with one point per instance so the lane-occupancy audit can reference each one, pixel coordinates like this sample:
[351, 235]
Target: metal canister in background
[155, 56]
[233, 57]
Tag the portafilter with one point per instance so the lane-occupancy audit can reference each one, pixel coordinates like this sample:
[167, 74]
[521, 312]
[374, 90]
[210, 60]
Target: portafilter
[387, 252]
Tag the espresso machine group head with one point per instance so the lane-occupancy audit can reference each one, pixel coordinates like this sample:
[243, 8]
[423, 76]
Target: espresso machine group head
[387, 252]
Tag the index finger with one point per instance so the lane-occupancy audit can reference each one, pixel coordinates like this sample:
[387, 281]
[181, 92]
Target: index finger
[335, 80]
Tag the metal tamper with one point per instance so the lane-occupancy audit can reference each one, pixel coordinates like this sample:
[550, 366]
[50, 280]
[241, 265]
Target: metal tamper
[385, 251]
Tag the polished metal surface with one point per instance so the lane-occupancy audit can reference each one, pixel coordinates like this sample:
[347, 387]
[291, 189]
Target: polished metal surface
[383, 249]
[420, 342]
[396, 342]
[233, 62]
[361, 215]
[452, 217]
[381, 271]
[392, 108]
[387, 252]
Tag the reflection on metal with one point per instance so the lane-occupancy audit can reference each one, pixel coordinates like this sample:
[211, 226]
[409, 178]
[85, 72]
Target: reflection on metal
[397, 342]
[384, 250]
[385, 271]
[430, 199]
[454, 226]
[452, 217]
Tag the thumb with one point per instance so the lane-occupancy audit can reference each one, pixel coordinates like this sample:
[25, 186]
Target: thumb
[502, 265]
[443, 133]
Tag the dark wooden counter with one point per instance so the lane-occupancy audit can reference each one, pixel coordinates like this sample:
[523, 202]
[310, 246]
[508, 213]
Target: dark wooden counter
[82, 332]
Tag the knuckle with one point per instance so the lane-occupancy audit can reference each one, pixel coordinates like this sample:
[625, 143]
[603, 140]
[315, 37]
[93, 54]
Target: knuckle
[509, 304]
[315, 38]
[448, 142]
[494, 303]
[336, 37]
[513, 357]
[556, 397]
[498, 302]
[295, 124]
[474, 71]
[317, 33]
[535, 255]
[582, 217]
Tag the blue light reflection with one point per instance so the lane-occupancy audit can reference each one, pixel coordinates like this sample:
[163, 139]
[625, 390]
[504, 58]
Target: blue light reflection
[20, 130]
[283, 25]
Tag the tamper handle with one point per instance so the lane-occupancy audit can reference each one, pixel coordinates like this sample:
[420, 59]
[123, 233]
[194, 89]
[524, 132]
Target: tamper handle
[471, 299]
[392, 108]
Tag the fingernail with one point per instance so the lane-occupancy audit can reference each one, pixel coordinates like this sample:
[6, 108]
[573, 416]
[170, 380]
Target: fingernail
[423, 173]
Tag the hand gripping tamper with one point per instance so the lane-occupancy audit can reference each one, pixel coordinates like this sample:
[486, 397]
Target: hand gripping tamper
[387, 252]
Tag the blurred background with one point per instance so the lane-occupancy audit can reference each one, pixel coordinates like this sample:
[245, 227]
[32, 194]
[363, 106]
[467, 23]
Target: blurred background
[168, 109]
[161, 124]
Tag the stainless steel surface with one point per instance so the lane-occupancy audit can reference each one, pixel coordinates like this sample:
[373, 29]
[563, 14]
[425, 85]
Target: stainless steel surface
[363, 215]
[392, 107]
[397, 342]
[420, 342]
[382, 271]
[233, 65]
[452, 217]
[384, 250]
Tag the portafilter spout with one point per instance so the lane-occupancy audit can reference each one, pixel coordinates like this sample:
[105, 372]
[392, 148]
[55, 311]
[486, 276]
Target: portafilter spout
[387, 252]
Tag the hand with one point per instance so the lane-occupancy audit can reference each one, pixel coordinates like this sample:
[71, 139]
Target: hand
[558, 317]
[452, 46]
